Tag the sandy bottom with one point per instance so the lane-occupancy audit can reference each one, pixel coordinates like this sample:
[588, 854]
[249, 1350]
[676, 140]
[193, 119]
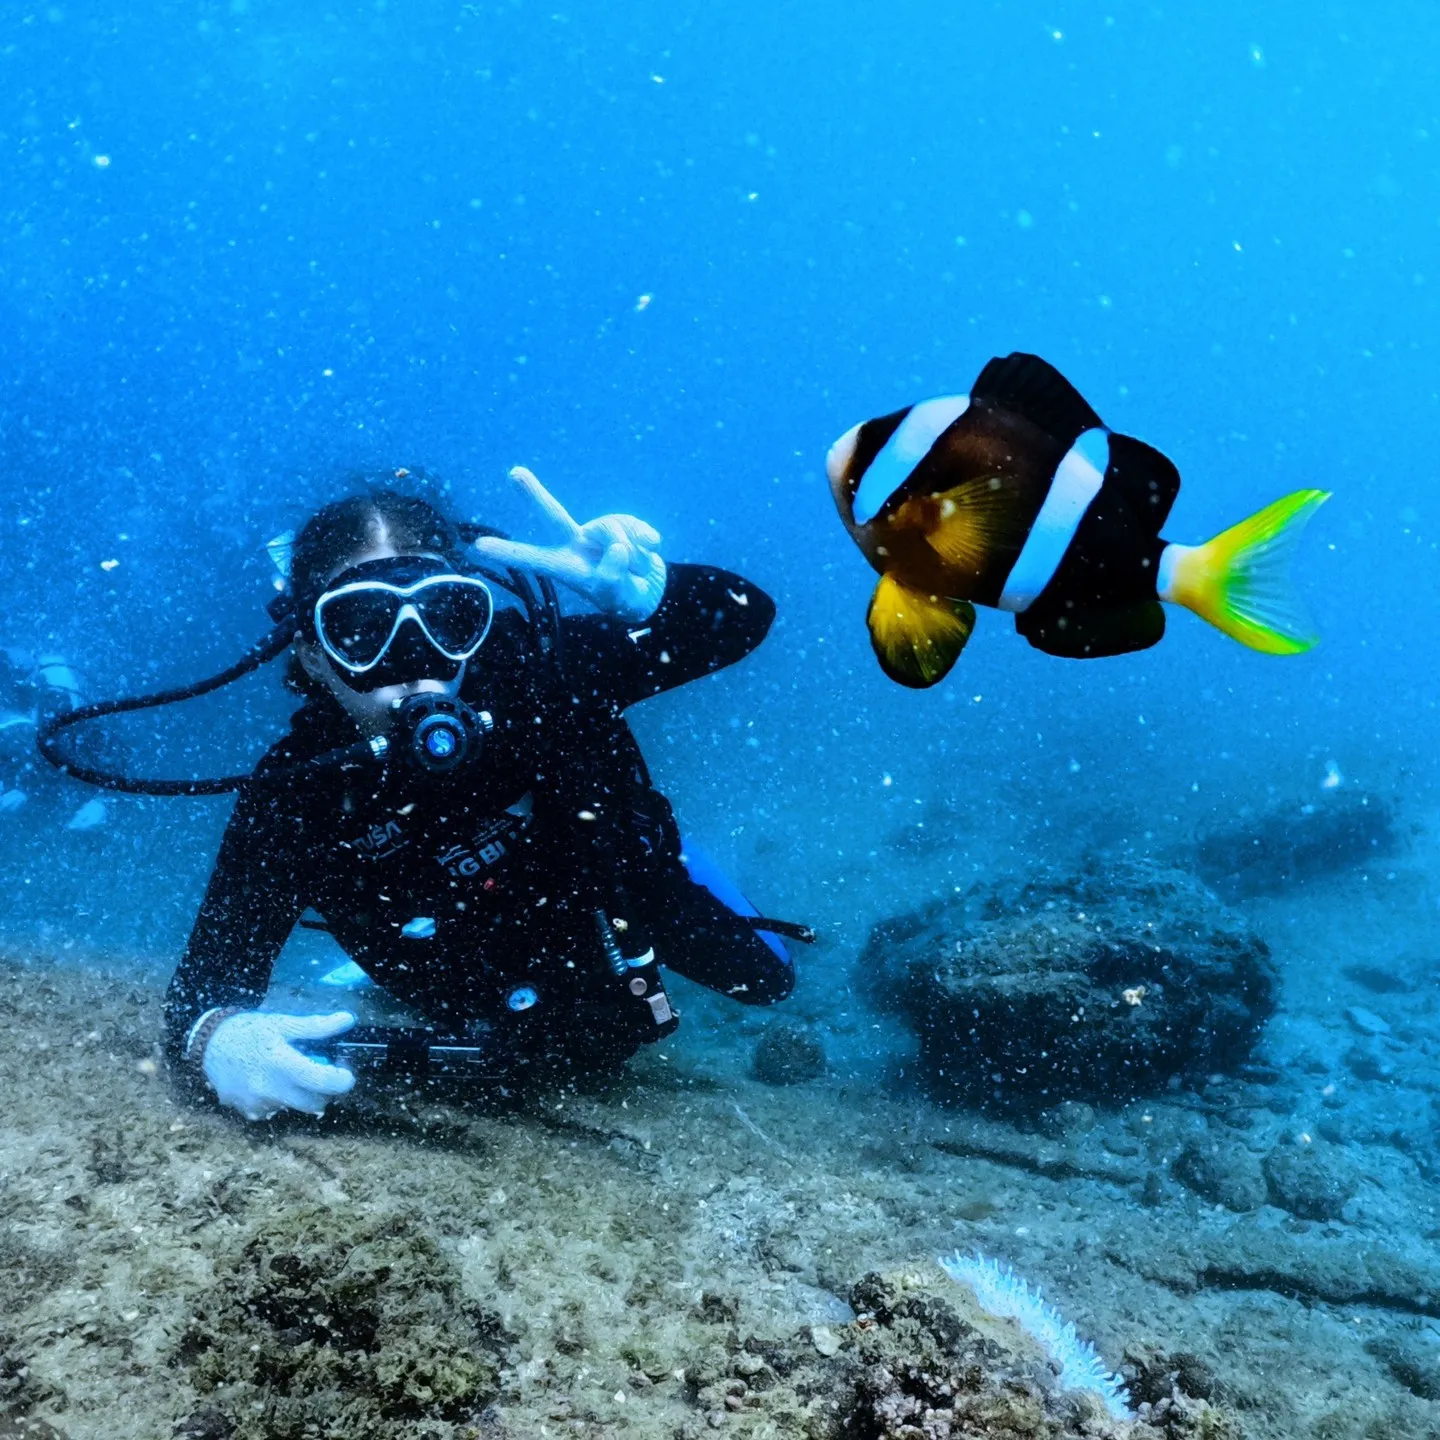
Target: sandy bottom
[680, 1255]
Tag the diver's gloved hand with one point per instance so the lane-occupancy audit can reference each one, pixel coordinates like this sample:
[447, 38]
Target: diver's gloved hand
[252, 1066]
[614, 562]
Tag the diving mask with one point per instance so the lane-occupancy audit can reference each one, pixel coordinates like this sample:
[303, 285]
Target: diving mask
[360, 620]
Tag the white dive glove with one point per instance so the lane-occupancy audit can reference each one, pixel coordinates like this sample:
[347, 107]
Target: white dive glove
[614, 562]
[252, 1066]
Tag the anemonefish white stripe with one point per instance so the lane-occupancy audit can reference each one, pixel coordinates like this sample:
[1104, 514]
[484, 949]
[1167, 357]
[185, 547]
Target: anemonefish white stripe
[1171, 557]
[1078, 479]
[903, 451]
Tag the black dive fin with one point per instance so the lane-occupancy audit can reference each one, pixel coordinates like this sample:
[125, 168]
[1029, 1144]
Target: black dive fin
[1090, 634]
[1148, 480]
[917, 637]
[1036, 389]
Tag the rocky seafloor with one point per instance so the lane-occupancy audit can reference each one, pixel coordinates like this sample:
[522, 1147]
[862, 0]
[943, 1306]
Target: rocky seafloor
[692, 1251]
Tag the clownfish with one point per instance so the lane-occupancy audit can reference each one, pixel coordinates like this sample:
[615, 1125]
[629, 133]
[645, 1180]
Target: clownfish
[1016, 496]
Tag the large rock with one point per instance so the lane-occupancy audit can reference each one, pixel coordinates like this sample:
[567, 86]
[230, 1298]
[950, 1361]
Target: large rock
[1223, 1172]
[1098, 985]
[1267, 852]
[1311, 1179]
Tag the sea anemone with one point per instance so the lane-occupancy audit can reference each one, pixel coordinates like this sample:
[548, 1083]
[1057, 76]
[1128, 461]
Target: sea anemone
[1002, 1292]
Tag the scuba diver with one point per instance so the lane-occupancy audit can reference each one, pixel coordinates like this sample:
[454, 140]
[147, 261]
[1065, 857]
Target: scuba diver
[33, 690]
[462, 802]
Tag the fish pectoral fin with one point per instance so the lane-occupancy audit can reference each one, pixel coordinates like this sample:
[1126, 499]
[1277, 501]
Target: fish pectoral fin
[917, 637]
[969, 525]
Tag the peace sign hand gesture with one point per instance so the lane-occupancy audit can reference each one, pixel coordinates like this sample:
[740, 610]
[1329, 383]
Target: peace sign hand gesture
[614, 562]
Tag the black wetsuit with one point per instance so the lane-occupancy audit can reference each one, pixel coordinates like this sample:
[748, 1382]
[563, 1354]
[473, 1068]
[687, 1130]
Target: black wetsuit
[509, 858]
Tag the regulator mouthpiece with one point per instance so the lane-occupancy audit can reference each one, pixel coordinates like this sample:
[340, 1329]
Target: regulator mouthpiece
[437, 733]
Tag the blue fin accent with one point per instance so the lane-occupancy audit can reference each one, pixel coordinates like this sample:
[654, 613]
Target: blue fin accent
[705, 872]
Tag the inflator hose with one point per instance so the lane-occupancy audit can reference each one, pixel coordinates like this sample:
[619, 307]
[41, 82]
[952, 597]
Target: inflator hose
[48, 740]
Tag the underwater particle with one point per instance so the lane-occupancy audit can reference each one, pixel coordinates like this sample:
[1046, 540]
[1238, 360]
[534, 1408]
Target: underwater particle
[1024, 219]
[1134, 995]
[643, 303]
[1333, 778]
[102, 162]
[1257, 57]
[90, 816]
[1002, 1292]
[108, 564]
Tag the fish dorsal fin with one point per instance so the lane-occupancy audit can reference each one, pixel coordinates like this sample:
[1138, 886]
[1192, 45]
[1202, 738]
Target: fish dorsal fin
[973, 523]
[1037, 390]
[917, 637]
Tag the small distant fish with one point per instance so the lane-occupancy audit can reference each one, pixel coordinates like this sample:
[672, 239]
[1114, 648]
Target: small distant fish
[1017, 497]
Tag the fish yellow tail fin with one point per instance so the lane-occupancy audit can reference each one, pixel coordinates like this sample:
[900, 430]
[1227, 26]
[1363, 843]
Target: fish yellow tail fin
[1240, 580]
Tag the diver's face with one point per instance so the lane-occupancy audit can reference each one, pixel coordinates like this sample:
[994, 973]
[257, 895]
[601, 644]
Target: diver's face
[372, 710]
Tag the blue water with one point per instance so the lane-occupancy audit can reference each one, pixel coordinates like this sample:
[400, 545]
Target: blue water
[664, 258]
[663, 254]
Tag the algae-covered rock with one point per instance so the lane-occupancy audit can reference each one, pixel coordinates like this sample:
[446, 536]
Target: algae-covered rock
[19, 1388]
[1311, 1179]
[1271, 851]
[1413, 1361]
[1223, 1172]
[20, 1427]
[1095, 985]
[1156, 1375]
[921, 1361]
[333, 1325]
[788, 1055]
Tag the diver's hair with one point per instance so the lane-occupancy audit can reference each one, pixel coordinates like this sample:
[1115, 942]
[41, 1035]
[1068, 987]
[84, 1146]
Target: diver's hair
[353, 524]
